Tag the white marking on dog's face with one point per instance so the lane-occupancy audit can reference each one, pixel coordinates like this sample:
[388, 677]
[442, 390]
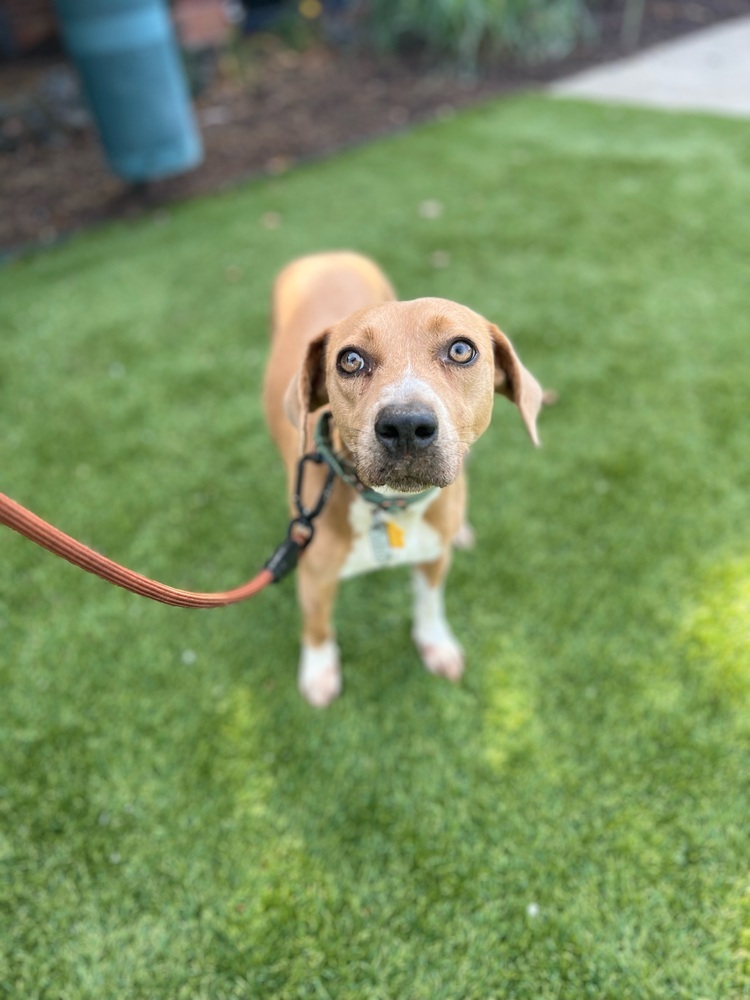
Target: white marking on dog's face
[402, 355]
[411, 389]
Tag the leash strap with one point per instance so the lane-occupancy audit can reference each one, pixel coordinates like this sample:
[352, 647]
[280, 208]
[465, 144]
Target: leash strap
[34, 528]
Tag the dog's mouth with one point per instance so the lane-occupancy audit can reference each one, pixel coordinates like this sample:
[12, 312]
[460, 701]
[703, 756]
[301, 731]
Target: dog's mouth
[407, 475]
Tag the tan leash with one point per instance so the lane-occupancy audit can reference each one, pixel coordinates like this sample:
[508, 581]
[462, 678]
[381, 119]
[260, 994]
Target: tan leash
[34, 528]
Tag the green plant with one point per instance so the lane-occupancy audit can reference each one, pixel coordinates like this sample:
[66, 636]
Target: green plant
[471, 31]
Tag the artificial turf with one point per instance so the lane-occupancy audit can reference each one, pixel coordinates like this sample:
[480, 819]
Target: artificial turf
[570, 821]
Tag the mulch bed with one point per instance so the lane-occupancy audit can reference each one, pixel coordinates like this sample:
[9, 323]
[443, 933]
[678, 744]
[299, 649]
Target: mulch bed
[260, 114]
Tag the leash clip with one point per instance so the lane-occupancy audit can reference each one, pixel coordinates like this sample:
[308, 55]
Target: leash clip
[301, 528]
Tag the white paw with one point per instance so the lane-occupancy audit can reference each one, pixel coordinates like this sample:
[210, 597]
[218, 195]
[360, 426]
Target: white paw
[464, 537]
[320, 674]
[445, 658]
[432, 634]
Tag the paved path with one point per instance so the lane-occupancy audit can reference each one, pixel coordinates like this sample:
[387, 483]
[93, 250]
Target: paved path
[706, 71]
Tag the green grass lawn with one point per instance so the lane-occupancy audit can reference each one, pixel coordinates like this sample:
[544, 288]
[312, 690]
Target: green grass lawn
[569, 822]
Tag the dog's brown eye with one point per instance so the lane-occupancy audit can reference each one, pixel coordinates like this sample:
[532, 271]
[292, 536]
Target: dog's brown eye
[351, 362]
[461, 352]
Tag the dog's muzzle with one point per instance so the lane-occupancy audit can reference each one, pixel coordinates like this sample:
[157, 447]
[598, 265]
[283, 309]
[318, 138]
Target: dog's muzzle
[406, 454]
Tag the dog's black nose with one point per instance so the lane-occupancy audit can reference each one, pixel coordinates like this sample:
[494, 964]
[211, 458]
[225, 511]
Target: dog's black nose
[402, 430]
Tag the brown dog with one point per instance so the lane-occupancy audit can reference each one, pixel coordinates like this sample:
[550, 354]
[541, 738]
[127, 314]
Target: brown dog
[410, 387]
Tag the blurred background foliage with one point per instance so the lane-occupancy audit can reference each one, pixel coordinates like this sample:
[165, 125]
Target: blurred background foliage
[467, 32]
[464, 33]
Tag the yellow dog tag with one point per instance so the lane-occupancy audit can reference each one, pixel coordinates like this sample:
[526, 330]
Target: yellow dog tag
[396, 535]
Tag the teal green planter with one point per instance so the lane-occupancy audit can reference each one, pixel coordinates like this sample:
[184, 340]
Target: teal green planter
[128, 60]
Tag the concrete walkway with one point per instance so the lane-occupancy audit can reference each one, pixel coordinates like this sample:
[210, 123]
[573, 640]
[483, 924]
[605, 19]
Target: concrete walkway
[706, 71]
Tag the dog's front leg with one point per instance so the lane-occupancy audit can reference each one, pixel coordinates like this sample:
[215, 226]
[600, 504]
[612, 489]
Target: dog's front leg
[319, 667]
[438, 647]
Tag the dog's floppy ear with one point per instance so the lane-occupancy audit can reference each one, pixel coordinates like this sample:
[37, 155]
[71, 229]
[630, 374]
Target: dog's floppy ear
[307, 390]
[515, 382]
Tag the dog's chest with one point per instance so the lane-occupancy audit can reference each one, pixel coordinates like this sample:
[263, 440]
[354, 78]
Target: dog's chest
[389, 538]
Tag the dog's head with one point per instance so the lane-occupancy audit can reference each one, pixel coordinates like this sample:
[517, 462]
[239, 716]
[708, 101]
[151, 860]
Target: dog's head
[410, 386]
